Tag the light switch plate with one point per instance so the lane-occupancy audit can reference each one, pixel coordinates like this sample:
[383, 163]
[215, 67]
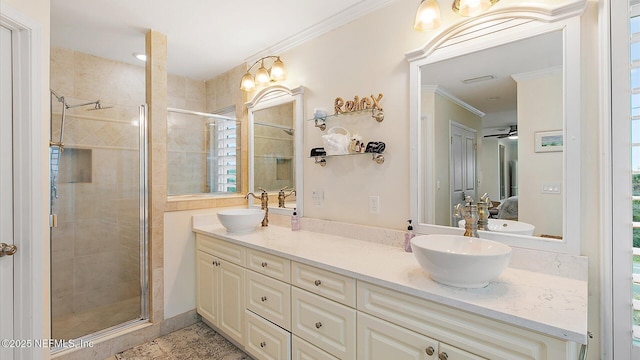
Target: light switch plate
[551, 188]
[318, 198]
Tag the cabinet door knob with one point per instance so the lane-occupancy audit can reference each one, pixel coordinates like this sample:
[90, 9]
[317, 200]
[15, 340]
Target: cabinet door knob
[263, 344]
[430, 350]
[264, 264]
[318, 325]
[263, 299]
[443, 356]
[317, 282]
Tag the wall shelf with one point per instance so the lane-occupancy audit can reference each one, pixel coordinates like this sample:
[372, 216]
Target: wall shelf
[320, 121]
[322, 159]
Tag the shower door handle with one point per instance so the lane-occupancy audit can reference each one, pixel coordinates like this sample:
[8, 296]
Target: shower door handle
[7, 249]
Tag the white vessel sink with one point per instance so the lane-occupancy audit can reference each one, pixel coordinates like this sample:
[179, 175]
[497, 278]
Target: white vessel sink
[240, 221]
[507, 226]
[460, 261]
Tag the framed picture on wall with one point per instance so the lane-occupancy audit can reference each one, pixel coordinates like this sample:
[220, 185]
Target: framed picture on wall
[549, 141]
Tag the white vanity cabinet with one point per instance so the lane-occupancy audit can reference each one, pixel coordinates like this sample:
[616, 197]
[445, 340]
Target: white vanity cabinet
[220, 294]
[268, 314]
[280, 308]
[459, 334]
[302, 350]
[382, 340]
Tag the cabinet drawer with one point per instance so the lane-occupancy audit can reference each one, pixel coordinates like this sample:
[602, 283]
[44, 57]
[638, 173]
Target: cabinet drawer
[266, 341]
[479, 335]
[381, 340]
[269, 298]
[324, 323]
[302, 350]
[221, 248]
[270, 265]
[326, 283]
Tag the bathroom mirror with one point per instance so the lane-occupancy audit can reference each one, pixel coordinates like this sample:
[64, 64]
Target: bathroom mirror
[471, 87]
[275, 147]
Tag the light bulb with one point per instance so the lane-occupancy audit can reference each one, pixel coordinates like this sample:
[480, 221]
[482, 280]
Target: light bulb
[473, 7]
[278, 72]
[262, 76]
[427, 16]
[247, 83]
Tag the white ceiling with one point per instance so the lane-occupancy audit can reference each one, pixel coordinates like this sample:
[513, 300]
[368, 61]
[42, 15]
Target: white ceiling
[205, 37]
[497, 97]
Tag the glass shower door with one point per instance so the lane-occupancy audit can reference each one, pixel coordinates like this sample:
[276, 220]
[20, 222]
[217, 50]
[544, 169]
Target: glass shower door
[98, 205]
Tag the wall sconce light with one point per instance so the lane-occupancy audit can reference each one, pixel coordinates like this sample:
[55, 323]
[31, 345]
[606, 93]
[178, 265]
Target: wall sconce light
[472, 7]
[427, 16]
[263, 76]
[428, 13]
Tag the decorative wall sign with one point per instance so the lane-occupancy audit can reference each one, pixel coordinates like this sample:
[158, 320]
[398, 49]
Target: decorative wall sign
[342, 107]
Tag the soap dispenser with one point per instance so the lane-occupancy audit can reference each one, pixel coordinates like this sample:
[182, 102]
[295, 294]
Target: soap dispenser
[295, 221]
[408, 236]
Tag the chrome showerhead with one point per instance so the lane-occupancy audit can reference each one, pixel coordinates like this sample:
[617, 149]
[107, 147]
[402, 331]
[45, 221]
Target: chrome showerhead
[99, 106]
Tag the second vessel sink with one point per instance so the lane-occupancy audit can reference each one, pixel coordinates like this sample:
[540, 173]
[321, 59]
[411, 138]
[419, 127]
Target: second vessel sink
[507, 226]
[461, 261]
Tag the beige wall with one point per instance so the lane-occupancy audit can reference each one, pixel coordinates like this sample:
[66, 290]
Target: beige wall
[331, 66]
[539, 109]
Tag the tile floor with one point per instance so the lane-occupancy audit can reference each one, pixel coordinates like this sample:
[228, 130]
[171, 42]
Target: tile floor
[194, 342]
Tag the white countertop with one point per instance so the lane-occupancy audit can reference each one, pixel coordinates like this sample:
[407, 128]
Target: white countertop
[550, 304]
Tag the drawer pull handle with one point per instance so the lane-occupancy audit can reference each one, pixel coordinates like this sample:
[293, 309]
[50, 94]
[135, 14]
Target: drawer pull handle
[443, 356]
[263, 344]
[263, 299]
[430, 350]
[318, 282]
[264, 264]
[318, 325]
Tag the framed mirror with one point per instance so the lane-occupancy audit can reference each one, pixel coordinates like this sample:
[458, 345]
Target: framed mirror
[473, 89]
[275, 148]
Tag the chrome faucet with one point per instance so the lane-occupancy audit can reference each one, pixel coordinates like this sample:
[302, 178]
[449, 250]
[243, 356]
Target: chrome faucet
[470, 214]
[282, 196]
[264, 204]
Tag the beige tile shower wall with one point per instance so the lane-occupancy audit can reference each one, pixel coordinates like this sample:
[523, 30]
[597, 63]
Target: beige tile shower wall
[186, 137]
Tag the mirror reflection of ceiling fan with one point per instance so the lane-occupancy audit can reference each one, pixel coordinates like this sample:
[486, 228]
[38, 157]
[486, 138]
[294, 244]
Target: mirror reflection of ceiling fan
[504, 132]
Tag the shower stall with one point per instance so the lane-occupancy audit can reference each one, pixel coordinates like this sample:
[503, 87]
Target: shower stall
[98, 177]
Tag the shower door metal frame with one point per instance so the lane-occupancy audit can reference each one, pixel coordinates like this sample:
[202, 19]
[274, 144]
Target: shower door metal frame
[144, 213]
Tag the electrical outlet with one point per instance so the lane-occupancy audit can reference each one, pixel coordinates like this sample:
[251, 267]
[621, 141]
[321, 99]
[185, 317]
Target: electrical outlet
[374, 204]
[318, 198]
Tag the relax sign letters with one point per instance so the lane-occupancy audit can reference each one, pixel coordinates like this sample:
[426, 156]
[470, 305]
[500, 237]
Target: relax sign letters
[357, 104]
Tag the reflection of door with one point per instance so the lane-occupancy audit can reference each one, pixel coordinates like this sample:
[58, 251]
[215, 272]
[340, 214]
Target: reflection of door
[6, 191]
[462, 164]
[501, 172]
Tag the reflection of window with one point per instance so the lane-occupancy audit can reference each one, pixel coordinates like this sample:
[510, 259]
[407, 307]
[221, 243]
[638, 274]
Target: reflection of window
[221, 159]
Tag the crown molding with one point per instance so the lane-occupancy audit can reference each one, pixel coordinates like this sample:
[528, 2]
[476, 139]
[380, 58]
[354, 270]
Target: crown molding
[552, 71]
[355, 11]
[437, 90]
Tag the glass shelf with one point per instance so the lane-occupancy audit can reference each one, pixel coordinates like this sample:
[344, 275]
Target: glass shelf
[320, 121]
[322, 159]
